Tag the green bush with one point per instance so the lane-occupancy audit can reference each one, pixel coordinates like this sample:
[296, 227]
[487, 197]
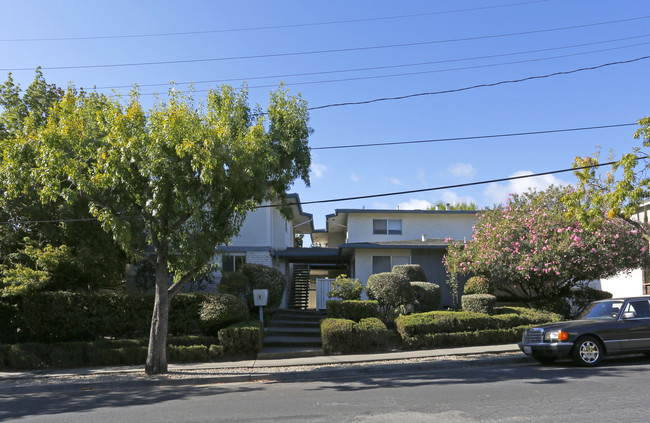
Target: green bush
[242, 338]
[346, 289]
[264, 277]
[344, 336]
[389, 289]
[427, 296]
[417, 329]
[465, 339]
[478, 285]
[581, 297]
[187, 353]
[479, 303]
[352, 310]
[412, 272]
[234, 283]
[221, 310]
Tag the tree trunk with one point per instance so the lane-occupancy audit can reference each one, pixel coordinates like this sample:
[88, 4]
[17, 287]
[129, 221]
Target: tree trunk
[157, 353]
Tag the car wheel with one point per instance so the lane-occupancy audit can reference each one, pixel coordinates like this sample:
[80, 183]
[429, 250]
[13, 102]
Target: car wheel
[587, 351]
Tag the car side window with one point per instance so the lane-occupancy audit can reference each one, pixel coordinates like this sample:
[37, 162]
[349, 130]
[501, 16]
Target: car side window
[639, 309]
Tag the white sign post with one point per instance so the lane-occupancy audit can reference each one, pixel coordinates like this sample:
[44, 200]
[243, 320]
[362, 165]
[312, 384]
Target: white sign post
[261, 298]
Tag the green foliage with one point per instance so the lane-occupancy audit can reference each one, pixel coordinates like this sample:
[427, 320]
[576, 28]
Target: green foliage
[467, 339]
[242, 338]
[265, 277]
[234, 283]
[389, 289]
[619, 192]
[427, 296]
[583, 296]
[478, 285]
[220, 310]
[419, 330]
[412, 272]
[440, 205]
[532, 249]
[77, 316]
[346, 288]
[352, 310]
[344, 336]
[103, 353]
[479, 303]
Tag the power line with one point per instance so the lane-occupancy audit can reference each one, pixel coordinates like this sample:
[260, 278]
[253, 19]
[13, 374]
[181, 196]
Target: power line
[341, 50]
[259, 28]
[250, 78]
[388, 194]
[469, 184]
[476, 137]
[493, 84]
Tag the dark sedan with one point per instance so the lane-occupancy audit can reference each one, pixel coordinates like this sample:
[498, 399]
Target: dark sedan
[608, 327]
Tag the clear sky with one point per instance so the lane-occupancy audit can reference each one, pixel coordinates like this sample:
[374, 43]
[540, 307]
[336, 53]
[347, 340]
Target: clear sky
[352, 51]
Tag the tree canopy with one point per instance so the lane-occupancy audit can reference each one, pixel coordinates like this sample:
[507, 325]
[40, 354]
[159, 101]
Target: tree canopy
[531, 249]
[171, 183]
[617, 192]
[44, 245]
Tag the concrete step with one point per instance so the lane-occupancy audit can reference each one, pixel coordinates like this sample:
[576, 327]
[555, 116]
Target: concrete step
[292, 341]
[292, 331]
[293, 324]
[288, 352]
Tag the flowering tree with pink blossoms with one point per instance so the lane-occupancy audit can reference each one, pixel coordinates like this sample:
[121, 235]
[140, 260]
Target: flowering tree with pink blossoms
[531, 249]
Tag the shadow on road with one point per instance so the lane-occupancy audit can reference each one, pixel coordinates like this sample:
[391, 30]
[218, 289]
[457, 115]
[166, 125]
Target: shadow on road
[84, 399]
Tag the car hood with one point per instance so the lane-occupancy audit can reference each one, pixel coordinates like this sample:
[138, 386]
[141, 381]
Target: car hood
[574, 324]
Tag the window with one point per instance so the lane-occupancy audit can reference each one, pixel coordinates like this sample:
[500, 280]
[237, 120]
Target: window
[382, 264]
[387, 226]
[646, 281]
[232, 262]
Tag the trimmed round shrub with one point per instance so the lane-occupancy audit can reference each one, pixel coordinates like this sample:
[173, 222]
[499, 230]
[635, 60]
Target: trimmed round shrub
[478, 285]
[412, 272]
[389, 289]
[346, 288]
[234, 283]
[479, 303]
[219, 311]
[338, 335]
[372, 334]
[427, 296]
[265, 277]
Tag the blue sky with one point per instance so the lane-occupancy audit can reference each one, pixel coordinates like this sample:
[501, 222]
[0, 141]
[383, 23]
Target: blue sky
[355, 51]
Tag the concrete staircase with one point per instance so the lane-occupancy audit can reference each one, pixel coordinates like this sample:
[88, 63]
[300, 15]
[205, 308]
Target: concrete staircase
[292, 333]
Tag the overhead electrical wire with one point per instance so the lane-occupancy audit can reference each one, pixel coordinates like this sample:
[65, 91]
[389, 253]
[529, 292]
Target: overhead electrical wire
[492, 56]
[313, 52]
[300, 25]
[492, 84]
[388, 194]
[476, 137]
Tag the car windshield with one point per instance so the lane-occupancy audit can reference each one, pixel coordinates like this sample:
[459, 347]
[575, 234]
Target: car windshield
[602, 310]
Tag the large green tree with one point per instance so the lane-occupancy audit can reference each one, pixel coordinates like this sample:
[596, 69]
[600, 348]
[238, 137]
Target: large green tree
[44, 245]
[174, 182]
[617, 191]
[533, 250]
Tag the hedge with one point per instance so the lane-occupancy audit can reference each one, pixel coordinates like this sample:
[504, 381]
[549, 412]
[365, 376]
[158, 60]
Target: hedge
[104, 353]
[352, 310]
[412, 272]
[465, 339]
[242, 338]
[389, 289]
[415, 328]
[478, 285]
[345, 336]
[82, 316]
[220, 310]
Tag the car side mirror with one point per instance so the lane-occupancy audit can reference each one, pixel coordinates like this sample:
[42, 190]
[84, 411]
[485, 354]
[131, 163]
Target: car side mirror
[628, 315]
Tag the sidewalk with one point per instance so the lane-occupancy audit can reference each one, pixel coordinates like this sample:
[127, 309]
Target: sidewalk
[253, 370]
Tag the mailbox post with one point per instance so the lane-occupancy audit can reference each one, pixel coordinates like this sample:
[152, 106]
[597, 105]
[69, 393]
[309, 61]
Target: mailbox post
[261, 298]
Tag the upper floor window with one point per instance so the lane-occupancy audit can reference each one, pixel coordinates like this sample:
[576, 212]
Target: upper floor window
[387, 226]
